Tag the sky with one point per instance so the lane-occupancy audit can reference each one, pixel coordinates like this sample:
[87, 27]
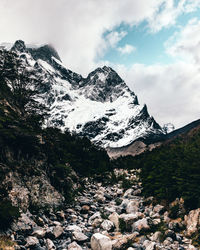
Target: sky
[154, 45]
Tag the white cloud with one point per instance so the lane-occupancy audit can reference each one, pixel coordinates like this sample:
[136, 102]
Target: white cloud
[127, 49]
[169, 13]
[171, 92]
[114, 37]
[74, 27]
[186, 43]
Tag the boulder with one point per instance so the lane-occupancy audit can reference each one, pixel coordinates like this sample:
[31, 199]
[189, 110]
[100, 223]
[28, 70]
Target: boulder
[100, 242]
[57, 231]
[31, 241]
[94, 216]
[73, 228]
[158, 209]
[80, 237]
[24, 223]
[141, 225]
[50, 245]
[192, 221]
[157, 236]
[149, 245]
[74, 246]
[132, 206]
[128, 193]
[114, 217]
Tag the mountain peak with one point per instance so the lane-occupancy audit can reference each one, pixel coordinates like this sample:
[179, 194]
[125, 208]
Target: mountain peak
[101, 106]
[19, 45]
[45, 53]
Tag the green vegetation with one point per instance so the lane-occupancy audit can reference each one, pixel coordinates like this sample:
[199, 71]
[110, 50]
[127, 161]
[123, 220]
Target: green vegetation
[7, 214]
[122, 226]
[172, 171]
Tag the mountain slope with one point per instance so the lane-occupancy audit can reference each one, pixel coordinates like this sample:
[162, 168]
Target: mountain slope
[100, 106]
[142, 144]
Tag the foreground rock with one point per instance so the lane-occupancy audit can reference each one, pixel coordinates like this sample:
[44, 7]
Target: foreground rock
[122, 219]
[100, 242]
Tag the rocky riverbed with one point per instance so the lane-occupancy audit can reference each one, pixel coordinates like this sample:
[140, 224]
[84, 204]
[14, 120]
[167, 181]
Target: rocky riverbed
[105, 218]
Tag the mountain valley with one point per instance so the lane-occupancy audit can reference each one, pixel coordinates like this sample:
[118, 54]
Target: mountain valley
[59, 187]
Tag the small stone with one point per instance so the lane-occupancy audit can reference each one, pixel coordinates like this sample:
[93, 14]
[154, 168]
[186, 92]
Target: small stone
[61, 215]
[100, 198]
[85, 209]
[97, 222]
[107, 225]
[94, 216]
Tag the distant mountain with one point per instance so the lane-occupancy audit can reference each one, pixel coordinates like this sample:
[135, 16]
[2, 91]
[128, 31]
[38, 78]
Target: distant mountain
[142, 144]
[100, 106]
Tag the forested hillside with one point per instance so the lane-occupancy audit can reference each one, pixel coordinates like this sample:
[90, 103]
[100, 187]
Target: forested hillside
[29, 151]
[170, 171]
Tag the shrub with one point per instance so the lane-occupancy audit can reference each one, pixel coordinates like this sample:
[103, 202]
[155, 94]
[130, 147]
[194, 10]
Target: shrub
[7, 214]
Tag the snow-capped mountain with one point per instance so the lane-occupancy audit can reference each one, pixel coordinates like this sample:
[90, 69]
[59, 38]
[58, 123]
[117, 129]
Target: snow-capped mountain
[101, 106]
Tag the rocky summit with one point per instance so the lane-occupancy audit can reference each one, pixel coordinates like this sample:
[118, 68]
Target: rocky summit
[100, 106]
[106, 218]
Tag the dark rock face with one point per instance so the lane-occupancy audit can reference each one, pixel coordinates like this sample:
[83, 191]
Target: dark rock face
[92, 129]
[45, 53]
[19, 46]
[105, 83]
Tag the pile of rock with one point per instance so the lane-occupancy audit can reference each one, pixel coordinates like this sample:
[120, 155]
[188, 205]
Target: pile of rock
[106, 218]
